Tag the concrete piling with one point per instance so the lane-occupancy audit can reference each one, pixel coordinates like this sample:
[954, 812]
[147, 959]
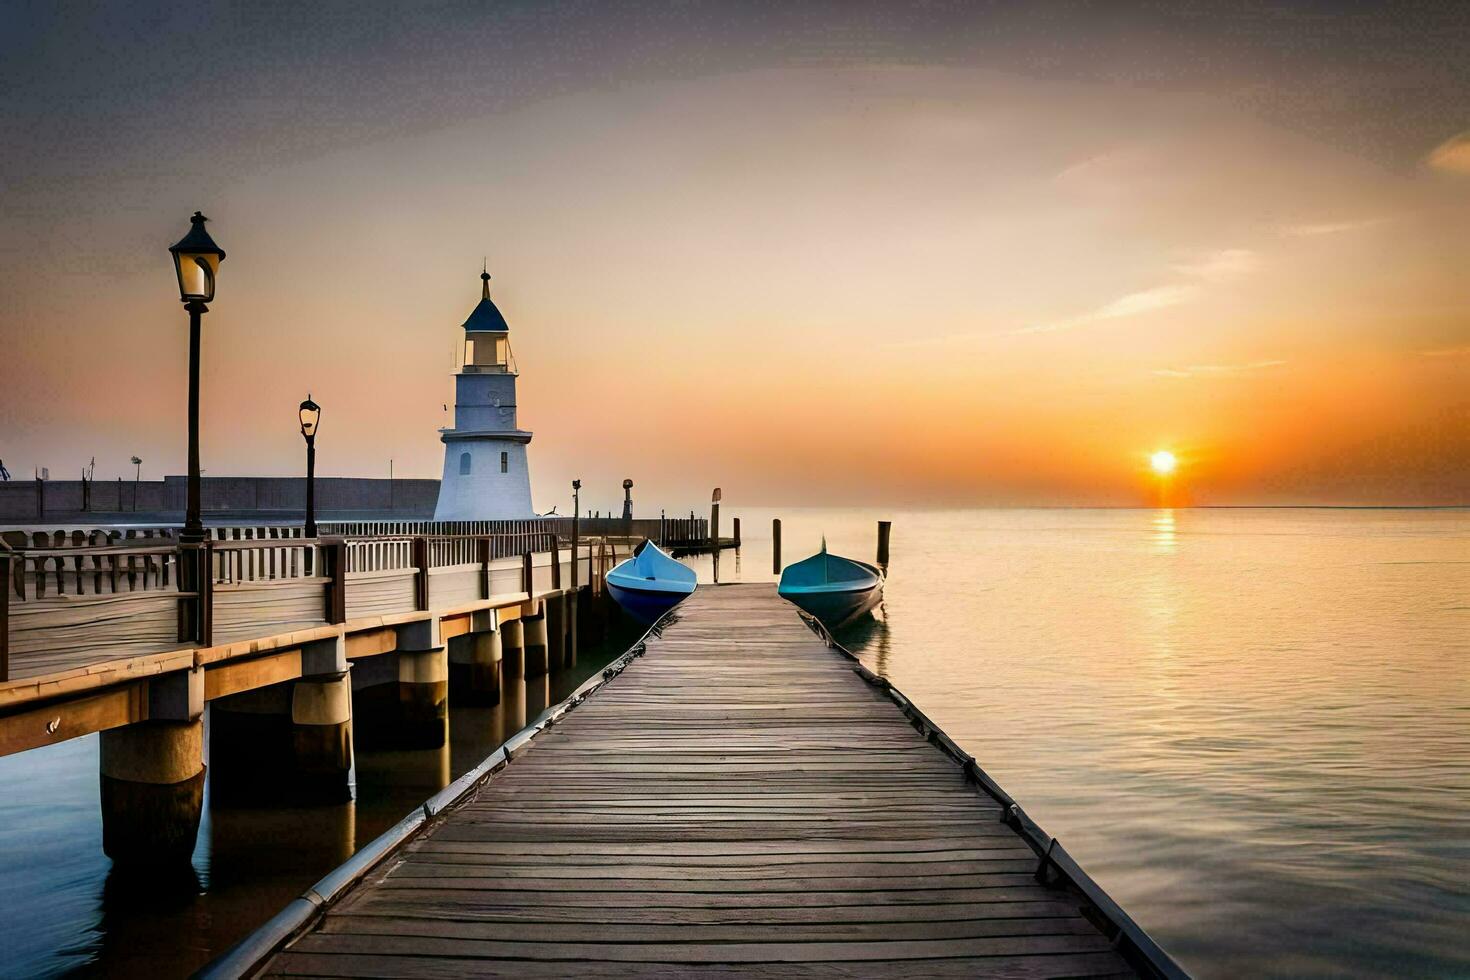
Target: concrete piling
[152, 777]
[536, 645]
[423, 698]
[288, 742]
[556, 632]
[512, 649]
[475, 662]
[321, 738]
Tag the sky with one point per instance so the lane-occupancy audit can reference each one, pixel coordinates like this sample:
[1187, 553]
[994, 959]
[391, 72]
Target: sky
[925, 254]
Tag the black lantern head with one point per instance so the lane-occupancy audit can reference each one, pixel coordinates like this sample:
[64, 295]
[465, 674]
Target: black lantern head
[310, 414]
[196, 261]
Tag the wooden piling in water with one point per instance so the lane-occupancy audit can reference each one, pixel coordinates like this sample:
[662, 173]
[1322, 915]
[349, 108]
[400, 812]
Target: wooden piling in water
[884, 529]
[775, 546]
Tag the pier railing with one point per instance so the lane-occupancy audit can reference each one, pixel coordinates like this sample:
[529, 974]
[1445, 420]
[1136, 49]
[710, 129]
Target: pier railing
[68, 599]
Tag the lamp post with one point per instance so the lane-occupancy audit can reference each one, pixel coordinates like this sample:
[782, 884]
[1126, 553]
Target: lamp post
[310, 415]
[576, 518]
[137, 475]
[196, 262]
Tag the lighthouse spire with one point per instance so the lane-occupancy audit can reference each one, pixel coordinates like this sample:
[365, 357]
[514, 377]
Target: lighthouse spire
[484, 278]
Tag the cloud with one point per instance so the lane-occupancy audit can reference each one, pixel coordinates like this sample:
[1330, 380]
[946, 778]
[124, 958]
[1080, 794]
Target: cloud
[1311, 230]
[1447, 352]
[1222, 265]
[1133, 304]
[1216, 370]
[1452, 156]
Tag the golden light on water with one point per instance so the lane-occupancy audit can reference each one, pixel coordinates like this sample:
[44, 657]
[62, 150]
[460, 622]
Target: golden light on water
[1163, 462]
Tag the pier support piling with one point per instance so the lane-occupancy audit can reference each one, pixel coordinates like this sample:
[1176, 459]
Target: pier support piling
[556, 632]
[288, 742]
[512, 649]
[884, 530]
[423, 698]
[152, 776]
[535, 638]
[475, 661]
[775, 546]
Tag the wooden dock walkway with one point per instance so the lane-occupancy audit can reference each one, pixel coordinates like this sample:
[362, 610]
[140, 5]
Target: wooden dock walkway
[738, 802]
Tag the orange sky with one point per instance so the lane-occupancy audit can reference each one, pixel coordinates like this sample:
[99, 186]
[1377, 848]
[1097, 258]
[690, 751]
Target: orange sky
[906, 284]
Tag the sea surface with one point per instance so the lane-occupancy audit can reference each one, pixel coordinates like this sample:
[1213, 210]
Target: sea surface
[1252, 727]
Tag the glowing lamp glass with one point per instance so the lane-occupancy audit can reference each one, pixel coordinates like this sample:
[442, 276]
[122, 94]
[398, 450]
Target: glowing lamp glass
[310, 415]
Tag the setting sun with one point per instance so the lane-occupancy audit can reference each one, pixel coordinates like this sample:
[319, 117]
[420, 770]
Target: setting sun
[1163, 462]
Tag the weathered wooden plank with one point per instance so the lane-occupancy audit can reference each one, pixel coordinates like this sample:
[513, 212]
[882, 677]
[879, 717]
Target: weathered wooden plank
[737, 802]
[301, 964]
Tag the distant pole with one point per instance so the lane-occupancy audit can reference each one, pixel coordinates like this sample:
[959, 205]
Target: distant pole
[137, 475]
[576, 517]
[390, 485]
[736, 524]
[714, 530]
[775, 546]
[884, 529]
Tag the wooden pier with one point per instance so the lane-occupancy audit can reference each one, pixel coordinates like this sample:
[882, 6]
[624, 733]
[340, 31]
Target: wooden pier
[741, 800]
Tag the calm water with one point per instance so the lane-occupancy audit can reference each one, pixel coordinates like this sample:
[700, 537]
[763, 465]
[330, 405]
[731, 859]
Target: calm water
[61, 910]
[1252, 727]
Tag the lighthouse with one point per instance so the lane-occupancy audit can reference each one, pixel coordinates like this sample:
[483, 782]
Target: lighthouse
[485, 471]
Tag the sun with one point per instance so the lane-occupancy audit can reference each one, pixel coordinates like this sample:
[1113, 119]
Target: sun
[1163, 462]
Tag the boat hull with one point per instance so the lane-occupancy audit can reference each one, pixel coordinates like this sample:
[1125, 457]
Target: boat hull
[836, 609]
[645, 605]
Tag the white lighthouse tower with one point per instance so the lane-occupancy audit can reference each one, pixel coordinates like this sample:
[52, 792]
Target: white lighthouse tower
[485, 473]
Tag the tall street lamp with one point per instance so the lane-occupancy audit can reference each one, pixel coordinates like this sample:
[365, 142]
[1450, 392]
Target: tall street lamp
[310, 415]
[137, 475]
[196, 261]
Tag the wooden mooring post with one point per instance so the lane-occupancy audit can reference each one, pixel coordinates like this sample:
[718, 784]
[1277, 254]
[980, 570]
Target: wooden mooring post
[884, 529]
[775, 546]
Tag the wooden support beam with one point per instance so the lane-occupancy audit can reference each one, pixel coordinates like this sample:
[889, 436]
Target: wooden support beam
[54, 723]
[528, 578]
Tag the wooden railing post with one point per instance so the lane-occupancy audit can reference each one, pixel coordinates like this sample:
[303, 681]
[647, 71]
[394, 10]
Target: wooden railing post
[421, 579]
[4, 616]
[555, 564]
[483, 545]
[334, 566]
[205, 563]
[527, 572]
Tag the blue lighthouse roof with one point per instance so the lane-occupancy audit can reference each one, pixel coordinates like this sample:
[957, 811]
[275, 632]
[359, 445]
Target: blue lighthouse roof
[486, 316]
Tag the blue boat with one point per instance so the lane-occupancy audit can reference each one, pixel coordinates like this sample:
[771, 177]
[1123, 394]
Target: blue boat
[834, 589]
[650, 583]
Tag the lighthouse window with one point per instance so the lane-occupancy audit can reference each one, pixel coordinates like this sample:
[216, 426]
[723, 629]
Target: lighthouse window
[464, 464]
[505, 462]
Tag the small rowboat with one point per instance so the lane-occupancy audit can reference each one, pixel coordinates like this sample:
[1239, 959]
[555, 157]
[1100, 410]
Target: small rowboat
[834, 589]
[650, 583]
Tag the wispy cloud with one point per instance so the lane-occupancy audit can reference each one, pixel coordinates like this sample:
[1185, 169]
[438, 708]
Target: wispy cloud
[1216, 370]
[1132, 304]
[1447, 352]
[1452, 156]
[1313, 229]
[1221, 266]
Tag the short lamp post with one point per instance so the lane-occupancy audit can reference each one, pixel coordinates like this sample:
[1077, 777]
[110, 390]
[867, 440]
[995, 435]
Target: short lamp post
[196, 262]
[310, 415]
[576, 520]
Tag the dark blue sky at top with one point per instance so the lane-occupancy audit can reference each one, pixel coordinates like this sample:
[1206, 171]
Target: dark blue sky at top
[144, 88]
